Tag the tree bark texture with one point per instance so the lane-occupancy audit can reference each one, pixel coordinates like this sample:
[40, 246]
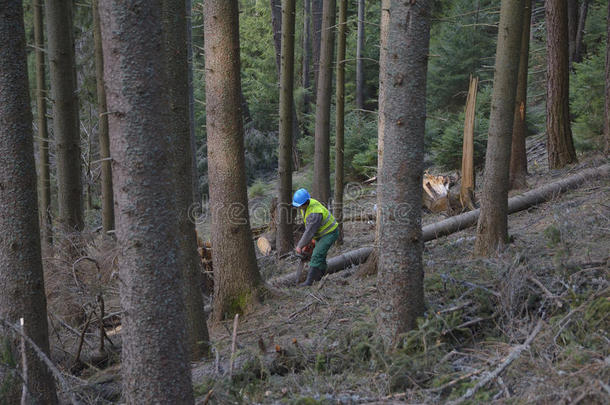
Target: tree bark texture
[306, 81]
[21, 275]
[284, 226]
[316, 21]
[580, 32]
[492, 229]
[66, 126]
[340, 117]
[236, 276]
[321, 166]
[607, 87]
[107, 198]
[572, 27]
[46, 222]
[176, 60]
[359, 61]
[405, 36]
[518, 156]
[155, 364]
[559, 133]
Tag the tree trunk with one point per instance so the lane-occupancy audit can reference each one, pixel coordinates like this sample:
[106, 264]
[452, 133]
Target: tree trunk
[176, 60]
[306, 60]
[21, 276]
[321, 166]
[580, 33]
[236, 277]
[468, 180]
[316, 19]
[518, 156]
[607, 110]
[492, 229]
[65, 113]
[405, 37]
[107, 198]
[147, 229]
[340, 118]
[572, 27]
[359, 61]
[284, 226]
[559, 134]
[46, 222]
[197, 197]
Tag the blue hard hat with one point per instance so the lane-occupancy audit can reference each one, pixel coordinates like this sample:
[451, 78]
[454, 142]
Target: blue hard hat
[301, 196]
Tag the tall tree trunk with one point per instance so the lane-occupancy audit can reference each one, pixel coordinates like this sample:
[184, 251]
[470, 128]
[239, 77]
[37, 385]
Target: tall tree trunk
[559, 134]
[340, 118]
[147, 221]
[321, 166]
[65, 113]
[107, 198]
[21, 275]
[316, 20]
[607, 111]
[306, 60]
[518, 157]
[46, 222]
[359, 61]
[572, 27]
[284, 226]
[580, 31]
[236, 277]
[405, 37]
[197, 198]
[492, 228]
[176, 65]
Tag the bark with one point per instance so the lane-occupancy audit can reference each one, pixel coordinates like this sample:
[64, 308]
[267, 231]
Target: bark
[572, 27]
[306, 59]
[607, 87]
[316, 21]
[580, 32]
[107, 198]
[284, 227]
[21, 275]
[65, 113]
[405, 37]
[340, 118]
[468, 180]
[46, 222]
[147, 220]
[492, 229]
[176, 60]
[559, 134]
[197, 197]
[236, 277]
[321, 166]
[518, 156]
[464, 221]
[359, 61]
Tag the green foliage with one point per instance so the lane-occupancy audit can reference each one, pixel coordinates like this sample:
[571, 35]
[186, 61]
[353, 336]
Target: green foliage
[553, 235]
[258, 189]
[360, 152]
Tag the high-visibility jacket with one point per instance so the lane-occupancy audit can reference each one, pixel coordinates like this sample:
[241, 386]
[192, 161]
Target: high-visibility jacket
[329, 223]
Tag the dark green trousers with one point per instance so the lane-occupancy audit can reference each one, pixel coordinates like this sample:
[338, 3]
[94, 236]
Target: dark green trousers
[318, 257]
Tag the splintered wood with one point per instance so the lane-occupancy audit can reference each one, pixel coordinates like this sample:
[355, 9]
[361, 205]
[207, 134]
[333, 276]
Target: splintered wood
[436, 193]
[467, 187]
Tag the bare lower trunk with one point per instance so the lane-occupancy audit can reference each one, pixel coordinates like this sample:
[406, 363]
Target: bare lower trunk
[518, 157]
[65, 113]
[405, 36]
[21, 276]
[492, 228]
[155, 366]
[306, 59]
[236, 277]
[359, 61]
[321, 166]
[107, 198]
[572, 27]
[284, 226]
[559, 134]
[340, 118]
[176, 59]
[580, 33]
[46, 222]
[316, 34]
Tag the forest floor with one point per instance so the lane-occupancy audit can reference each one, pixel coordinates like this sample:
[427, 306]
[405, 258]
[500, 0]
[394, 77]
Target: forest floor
[318, 345]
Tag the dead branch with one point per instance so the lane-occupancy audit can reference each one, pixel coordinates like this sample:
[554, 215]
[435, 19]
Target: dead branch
[233, 342]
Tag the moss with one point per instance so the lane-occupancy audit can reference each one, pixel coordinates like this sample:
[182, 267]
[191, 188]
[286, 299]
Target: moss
[239, 304]
[553, 235]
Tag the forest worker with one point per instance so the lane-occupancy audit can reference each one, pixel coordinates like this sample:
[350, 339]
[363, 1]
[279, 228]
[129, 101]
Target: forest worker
[320, 225]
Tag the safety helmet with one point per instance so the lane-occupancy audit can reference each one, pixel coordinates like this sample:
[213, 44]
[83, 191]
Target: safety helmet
[301, 196]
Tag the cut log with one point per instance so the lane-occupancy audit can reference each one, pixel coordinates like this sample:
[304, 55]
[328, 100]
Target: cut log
[266, 243]
[435, 197]
[464, 221]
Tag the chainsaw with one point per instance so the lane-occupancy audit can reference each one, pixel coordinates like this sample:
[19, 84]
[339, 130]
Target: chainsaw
[304, 257]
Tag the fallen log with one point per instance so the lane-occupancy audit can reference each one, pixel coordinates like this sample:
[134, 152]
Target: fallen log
[463, 221]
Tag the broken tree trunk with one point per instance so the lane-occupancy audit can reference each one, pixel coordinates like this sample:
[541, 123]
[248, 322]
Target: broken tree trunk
[436, 193]
[467, 187]
[463, 221]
